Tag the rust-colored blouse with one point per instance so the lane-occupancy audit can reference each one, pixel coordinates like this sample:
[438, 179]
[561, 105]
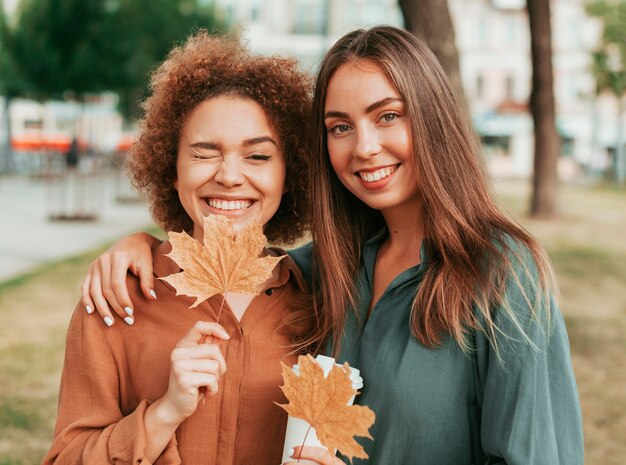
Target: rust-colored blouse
[110, 375]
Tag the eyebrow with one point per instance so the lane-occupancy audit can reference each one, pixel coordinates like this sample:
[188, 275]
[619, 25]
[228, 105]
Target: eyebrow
[246, 143]
[258, 140]
[207, 145]
[381, 103]
[368, 109]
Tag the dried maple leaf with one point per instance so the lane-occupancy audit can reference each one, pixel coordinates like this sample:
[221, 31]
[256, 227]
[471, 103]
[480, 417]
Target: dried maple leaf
[225, 263]
[322, 402]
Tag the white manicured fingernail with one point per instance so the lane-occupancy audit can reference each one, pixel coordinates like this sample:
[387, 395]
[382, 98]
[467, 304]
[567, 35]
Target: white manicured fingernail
[129, 320]
[153, 294]
[88, 309]
[108, 320]
[291, 452]
[128, 310]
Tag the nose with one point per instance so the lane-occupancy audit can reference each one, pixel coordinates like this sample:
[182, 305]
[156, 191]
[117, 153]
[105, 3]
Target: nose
[367, 143]
[230, 173]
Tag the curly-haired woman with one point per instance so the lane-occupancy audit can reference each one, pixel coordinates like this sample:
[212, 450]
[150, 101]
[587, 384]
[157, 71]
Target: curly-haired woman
[222, 135]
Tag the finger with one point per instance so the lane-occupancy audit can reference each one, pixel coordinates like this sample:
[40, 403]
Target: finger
[84, 292]
[104, 268]
[200, 365]
[200, 330]
[100, 302]
[192, 382]
[117, 271]
[200, 352]
[317, 454]
[146, 278]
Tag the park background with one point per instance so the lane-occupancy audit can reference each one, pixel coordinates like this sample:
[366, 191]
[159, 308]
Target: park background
[76, 69]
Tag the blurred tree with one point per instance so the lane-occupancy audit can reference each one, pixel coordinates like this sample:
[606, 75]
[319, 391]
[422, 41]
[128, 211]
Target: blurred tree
[542, 108]
[146, 30]
[430, 21]
[65, 45]
[81, 47]
[10, 86]
[609, 66]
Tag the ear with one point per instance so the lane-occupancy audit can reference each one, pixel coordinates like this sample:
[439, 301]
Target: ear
[176, 183]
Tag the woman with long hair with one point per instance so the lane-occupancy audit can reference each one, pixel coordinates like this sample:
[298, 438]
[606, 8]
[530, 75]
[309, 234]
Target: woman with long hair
[419, 280]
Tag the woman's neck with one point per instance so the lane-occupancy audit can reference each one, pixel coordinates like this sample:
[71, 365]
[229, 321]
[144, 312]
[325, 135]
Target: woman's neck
[406, 229]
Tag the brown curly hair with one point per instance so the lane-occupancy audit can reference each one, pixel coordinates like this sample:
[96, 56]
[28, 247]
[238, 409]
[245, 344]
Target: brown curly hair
[204, 67]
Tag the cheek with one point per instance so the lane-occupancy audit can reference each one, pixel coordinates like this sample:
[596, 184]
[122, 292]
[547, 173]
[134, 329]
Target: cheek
[271, 183]
[340, 153]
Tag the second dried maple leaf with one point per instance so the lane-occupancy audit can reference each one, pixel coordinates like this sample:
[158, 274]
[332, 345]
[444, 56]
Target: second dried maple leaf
[323, 403]
[225, 263]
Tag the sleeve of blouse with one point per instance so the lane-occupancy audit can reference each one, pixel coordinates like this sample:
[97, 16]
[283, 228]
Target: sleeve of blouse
[90, 426]
[530, 405]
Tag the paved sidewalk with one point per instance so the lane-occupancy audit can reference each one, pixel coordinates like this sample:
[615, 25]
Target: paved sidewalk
[28, 238]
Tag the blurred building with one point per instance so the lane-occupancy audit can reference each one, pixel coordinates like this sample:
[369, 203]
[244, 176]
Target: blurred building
[304, 28]
[51, 125]
[494, 44]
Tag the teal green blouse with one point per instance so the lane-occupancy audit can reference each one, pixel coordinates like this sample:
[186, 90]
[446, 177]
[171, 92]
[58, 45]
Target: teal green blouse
[445, 407]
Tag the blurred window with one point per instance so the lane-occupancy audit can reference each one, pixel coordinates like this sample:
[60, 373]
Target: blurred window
[509, 87]
[511, 30]
[33, 124]
[480, 85]
[482, 32]
[567, 146]
[373, 13]
[496, 145]
[310, 17]
[255, 12]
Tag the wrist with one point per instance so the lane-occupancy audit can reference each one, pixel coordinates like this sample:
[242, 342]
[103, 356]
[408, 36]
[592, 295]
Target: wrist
[162, 414]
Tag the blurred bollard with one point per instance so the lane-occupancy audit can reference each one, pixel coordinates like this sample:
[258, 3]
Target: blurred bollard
[76, 193]
[124, 191]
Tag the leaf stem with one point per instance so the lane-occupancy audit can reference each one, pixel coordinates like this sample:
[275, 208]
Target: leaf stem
[219, 313]
[304, 441]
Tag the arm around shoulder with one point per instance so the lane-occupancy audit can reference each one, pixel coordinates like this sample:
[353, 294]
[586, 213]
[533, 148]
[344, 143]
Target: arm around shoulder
[104, 286]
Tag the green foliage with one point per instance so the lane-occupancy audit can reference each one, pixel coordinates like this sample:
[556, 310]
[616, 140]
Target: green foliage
[10, 83]
[146, 31]
[81, 47]
[609, 59]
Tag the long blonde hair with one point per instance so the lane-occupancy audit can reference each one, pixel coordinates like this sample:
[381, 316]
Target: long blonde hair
[473, 249]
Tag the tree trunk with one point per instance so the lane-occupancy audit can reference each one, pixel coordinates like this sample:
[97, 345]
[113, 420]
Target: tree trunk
[430, 21]
[6, 154]
[620, 161]
[542, 107]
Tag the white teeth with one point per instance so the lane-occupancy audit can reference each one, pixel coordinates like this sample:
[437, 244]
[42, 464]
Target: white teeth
[229, 204]
[376, 175]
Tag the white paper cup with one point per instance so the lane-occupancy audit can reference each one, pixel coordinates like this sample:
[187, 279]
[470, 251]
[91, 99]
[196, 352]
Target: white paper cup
[297, 428]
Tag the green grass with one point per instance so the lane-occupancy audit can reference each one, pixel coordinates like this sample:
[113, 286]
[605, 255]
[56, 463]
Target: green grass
[586, 245]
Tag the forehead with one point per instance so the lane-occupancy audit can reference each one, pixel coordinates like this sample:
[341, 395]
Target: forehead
[226, 114]
[359, 81]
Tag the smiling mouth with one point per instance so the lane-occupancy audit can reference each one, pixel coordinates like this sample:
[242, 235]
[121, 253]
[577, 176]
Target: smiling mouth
[228, 205]
[377, 175]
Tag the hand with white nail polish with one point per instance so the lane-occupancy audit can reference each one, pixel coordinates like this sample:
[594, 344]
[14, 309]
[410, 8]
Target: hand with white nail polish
[104, 287]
